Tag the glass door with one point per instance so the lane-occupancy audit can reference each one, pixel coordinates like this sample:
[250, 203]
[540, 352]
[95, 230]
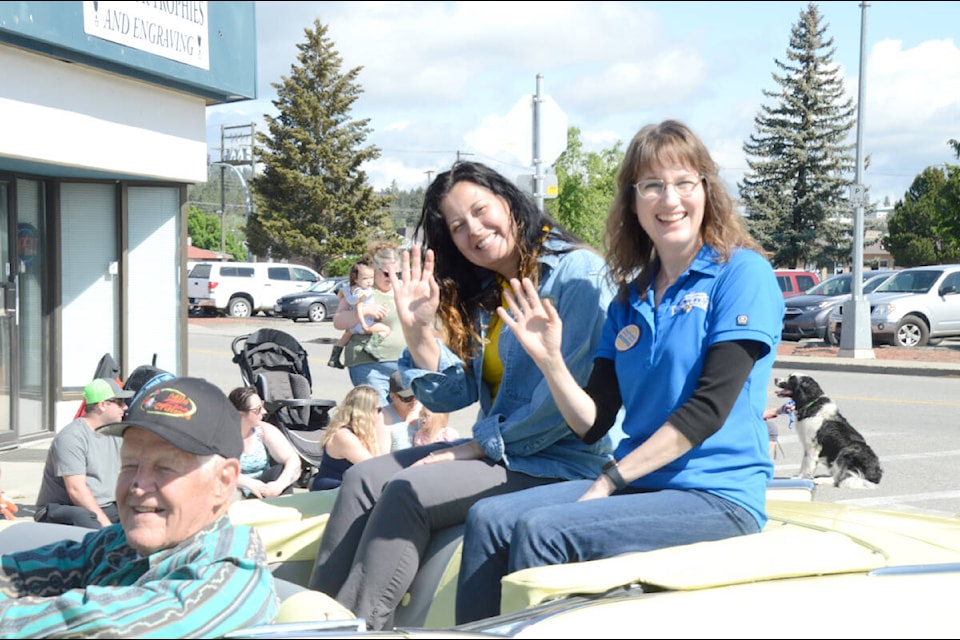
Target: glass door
[8, 322]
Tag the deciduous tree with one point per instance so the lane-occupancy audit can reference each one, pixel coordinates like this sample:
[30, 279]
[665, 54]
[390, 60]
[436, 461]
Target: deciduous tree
[585, 181]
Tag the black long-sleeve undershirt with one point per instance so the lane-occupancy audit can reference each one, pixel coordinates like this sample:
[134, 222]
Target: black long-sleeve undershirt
[726, 367]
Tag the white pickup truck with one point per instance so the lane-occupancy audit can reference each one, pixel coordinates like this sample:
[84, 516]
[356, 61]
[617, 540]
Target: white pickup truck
[241, 289]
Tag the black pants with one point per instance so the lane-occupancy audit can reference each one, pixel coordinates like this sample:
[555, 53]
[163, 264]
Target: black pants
[77, 516]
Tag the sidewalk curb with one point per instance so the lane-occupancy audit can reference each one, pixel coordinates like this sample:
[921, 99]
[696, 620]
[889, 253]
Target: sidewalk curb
[868, 365]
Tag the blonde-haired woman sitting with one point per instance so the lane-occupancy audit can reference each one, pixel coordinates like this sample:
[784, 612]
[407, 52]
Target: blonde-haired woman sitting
[351, 436]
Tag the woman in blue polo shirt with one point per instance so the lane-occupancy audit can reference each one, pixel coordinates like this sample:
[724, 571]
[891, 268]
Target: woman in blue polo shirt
[687, 350]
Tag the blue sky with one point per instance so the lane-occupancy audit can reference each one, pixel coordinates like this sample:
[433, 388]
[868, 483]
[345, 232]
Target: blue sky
[440, 78]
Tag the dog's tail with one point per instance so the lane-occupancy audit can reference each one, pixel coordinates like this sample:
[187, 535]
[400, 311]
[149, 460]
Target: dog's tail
[853, 480]
[857, 467]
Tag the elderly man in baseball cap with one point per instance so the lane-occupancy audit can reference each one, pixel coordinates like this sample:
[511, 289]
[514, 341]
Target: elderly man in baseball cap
[80, 473]
[175, 566]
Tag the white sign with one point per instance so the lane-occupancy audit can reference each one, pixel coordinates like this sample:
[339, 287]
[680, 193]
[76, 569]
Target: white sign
[528, 184]
[175, 30]
[857, 193]
[553, 130]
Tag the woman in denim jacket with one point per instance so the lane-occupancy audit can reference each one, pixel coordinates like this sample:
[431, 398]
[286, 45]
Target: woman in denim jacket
[480, 231]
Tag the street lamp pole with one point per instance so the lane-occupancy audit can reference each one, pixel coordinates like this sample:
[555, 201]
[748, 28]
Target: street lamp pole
[856, 337]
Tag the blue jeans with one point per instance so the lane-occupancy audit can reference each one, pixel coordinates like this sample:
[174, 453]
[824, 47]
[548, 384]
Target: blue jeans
[375, 374]
[546, 525]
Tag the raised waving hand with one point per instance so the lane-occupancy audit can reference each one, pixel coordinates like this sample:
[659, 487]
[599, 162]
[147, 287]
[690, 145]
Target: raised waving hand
[534, 322]
[417, 297]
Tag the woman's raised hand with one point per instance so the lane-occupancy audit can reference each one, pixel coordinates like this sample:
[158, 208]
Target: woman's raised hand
[416, 292]
[534, 322]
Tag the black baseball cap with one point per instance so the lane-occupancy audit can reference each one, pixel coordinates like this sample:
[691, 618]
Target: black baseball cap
[396, 386]
[192, 414]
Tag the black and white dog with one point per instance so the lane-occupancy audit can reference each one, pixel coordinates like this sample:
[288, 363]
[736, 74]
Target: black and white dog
[827, 437]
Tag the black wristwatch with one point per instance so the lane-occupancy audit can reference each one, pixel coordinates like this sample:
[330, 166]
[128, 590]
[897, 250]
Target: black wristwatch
[612, 471]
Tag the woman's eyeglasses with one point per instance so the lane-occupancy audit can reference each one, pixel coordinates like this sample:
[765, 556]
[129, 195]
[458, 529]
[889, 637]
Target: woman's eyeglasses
[256, 409]
[651, 189]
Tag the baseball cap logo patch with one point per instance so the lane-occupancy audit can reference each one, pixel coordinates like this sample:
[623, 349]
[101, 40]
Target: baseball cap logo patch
[170, 403]
[192, 414]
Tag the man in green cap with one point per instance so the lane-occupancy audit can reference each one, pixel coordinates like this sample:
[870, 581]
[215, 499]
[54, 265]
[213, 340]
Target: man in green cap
[80, 475]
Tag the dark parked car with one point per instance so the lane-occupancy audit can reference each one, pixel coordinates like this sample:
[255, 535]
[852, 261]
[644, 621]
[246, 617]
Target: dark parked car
[316, 304]
[807, 315]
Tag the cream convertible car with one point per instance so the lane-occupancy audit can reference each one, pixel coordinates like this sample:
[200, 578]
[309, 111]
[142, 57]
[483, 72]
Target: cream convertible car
[817, 568]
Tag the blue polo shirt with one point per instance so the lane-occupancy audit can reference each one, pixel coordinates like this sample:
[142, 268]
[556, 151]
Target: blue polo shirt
[659, 355]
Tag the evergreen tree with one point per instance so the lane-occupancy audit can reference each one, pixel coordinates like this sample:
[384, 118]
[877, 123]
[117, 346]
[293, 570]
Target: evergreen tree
[795, 194]
[586, 183]
[405, 206]
[312, 199]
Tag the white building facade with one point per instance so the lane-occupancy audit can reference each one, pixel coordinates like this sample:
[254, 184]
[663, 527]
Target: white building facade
[103, 109]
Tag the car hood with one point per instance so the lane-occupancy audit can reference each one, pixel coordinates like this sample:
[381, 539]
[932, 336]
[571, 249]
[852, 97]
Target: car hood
[300, 295]
[891, 296]
[811, 300]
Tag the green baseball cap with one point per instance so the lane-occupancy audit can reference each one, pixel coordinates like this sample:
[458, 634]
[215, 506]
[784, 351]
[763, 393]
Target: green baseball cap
[104, 389]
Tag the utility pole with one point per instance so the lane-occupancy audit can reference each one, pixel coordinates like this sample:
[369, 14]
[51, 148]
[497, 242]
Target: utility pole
[246, 196]
[241, 154]
[856, 337]
[537, 160]
[223, 202]
[223, 214]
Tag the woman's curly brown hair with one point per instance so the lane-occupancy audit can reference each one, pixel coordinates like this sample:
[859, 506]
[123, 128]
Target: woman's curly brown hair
[466, 288]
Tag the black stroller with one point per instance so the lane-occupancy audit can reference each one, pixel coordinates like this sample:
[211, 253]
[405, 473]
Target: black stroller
[276, 364]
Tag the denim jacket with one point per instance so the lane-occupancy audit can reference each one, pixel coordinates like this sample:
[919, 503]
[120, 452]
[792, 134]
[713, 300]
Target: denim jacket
[522, 427]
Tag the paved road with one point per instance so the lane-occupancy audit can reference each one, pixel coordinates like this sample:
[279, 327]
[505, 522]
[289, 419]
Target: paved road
[906, 410]
[907, 413]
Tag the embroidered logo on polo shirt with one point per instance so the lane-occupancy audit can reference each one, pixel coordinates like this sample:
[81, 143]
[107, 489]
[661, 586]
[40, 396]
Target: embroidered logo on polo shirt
[698, 299]
[743, 320]
[627, 337]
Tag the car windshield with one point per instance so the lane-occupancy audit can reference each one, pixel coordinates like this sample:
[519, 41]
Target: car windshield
[874, 282]
[910, 282]
[322, 286]
[837, 286]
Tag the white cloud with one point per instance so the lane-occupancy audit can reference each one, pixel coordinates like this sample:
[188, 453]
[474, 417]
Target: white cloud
[440, 77]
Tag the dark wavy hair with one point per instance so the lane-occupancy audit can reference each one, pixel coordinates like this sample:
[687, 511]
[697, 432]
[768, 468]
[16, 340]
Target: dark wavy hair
[466, 288]
[629, 249]
[240, 395]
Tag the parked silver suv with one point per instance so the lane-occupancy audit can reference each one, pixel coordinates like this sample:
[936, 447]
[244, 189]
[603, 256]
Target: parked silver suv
[914, 307]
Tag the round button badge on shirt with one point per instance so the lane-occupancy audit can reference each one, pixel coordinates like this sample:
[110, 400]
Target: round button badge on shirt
[627, 337]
